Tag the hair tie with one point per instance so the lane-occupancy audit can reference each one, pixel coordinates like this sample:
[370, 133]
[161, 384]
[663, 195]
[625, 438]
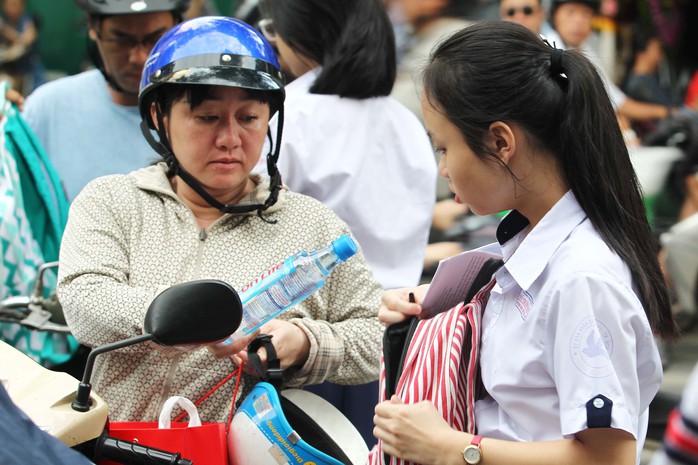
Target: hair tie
[556, 64]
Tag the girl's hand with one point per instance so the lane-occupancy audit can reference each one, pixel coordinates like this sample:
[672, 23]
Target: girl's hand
[396, 306]
[414, 432]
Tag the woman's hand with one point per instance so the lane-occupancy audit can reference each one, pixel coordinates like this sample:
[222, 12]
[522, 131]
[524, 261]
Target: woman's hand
[290, 342]
[396, 305]
[221, 350]
[415, 432]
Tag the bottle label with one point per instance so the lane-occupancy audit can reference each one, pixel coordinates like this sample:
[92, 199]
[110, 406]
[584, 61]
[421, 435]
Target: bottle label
[261, 279]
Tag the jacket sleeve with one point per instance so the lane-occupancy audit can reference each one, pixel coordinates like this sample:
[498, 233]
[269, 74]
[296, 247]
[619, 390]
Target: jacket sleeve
[343, 329]
[100, 305]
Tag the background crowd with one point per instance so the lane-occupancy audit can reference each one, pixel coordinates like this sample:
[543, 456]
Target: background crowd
[81, 78]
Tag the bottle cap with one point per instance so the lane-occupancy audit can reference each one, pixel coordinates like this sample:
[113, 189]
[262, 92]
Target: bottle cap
[344, 246]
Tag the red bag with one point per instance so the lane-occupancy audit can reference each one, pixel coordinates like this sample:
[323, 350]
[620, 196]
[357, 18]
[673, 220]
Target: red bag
[203, 444]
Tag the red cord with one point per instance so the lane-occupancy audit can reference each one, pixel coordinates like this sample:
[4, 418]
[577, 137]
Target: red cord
[235, 396]
[214, 389]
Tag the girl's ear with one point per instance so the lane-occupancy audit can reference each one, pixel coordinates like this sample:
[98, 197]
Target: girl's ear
[501, 141]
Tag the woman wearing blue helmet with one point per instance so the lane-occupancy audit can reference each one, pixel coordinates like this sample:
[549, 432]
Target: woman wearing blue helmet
[208, 90]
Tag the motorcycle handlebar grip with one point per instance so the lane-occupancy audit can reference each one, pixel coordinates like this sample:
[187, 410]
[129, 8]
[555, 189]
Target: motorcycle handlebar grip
[119, 450]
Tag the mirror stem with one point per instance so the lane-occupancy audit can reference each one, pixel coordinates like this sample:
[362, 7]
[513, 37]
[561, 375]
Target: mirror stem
[82, 397]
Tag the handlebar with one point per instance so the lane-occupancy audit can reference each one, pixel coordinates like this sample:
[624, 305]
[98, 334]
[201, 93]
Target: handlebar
[34, 311]
[127, 452]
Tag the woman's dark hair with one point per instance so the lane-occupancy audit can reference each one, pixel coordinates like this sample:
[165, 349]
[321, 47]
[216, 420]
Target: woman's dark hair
[501, 71]
[353, 40]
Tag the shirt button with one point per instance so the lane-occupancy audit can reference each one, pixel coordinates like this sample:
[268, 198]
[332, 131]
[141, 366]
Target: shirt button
[598, 402]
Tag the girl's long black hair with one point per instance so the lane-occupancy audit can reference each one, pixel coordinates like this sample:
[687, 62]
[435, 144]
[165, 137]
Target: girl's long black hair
[353, 40]
[500, 71]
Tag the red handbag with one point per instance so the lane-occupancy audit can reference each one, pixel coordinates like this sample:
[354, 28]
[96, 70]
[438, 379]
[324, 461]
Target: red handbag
[202, 443]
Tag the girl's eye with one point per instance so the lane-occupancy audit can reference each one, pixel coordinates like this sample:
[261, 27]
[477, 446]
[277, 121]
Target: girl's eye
[439, 152]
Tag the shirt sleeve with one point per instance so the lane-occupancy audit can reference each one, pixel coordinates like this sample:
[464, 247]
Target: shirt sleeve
[605, 364]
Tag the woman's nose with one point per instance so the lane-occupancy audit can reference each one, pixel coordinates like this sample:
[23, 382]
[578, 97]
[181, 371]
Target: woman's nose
[229, 134]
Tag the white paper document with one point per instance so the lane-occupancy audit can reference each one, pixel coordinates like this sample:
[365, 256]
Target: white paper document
[453, 278]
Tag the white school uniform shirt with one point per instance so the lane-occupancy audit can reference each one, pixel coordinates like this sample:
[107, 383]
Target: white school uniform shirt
[371, 162]
[564, 335]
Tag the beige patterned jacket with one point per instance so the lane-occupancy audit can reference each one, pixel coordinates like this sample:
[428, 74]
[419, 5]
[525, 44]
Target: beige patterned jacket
[129, 237]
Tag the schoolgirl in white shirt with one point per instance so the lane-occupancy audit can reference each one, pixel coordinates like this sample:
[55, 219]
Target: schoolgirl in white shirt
[568, 357]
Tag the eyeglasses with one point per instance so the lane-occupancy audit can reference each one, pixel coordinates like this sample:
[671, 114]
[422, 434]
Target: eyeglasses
[526, 10]
[267, 27]
[124, 44]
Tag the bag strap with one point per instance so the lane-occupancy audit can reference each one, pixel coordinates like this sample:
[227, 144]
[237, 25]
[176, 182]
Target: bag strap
[237, 374]
[273, 374]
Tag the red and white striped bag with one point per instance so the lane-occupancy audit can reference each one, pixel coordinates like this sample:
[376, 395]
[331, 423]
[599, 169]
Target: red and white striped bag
[441, 365]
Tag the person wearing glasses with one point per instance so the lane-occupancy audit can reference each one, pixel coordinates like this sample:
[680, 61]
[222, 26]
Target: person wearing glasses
[89, 123]
[528, 13]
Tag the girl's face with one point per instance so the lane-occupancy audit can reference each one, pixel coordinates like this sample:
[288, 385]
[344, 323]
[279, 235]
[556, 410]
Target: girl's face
[220, 141]
[481, 183]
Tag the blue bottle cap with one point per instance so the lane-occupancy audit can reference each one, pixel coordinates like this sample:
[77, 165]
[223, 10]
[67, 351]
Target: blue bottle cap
[344, 246]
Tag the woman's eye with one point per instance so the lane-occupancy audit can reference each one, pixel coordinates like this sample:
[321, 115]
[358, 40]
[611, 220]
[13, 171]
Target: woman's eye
[208, 117]
[439, 151]
[249, 118]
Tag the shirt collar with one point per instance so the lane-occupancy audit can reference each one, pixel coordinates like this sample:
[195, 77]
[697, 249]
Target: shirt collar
[304, 81]
[527, 255]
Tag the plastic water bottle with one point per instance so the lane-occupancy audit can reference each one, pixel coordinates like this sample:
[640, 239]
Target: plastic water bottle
[289, 283]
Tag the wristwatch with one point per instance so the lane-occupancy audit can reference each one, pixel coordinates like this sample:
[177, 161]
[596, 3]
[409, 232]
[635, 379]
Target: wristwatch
[472, 454]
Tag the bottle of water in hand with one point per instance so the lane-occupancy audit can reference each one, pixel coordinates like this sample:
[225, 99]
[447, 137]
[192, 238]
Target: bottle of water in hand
[289, 283]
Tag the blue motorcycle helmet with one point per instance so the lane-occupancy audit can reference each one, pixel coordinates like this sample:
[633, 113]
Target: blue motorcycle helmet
[215, 51]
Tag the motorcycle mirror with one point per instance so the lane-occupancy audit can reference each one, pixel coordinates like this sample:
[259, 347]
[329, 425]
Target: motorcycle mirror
[194, 312]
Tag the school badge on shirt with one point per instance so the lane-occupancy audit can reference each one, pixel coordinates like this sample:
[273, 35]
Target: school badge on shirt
[524, 303]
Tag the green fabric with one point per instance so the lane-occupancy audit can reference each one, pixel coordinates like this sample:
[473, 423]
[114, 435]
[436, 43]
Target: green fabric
[34, 213]
[45, 202]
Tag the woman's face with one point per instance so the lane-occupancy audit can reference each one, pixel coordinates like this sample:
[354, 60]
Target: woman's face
[220, 141]
[480, 183]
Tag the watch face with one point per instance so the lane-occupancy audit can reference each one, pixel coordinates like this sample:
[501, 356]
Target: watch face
[471, 454]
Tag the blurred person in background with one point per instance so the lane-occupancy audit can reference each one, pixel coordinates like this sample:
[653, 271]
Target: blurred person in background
[19, 55]
[89, 123]
[572, 20]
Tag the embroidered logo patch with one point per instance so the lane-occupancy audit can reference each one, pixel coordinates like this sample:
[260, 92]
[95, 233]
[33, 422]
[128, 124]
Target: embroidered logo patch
[591, 348]
[524, 303]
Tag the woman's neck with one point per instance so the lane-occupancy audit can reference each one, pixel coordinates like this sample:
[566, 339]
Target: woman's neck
[206, 214]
